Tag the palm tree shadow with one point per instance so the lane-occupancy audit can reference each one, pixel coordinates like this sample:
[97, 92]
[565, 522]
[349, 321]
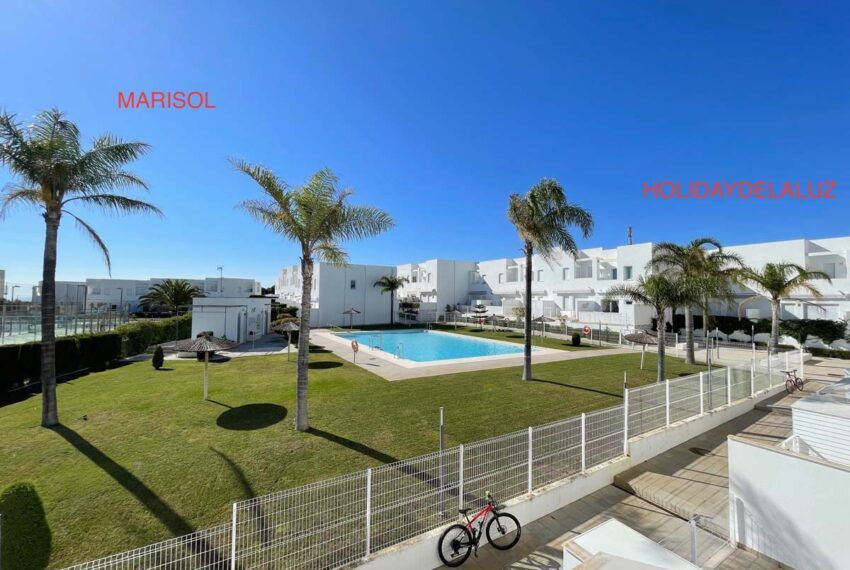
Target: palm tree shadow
[175, 524]
[574, 387]
[354, 446]
[27, 539]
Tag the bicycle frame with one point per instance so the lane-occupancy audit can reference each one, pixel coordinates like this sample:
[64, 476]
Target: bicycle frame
[482, 514]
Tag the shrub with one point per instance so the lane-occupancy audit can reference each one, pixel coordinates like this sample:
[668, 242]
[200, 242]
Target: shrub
[576, 339]
[21, 363]
[158, 358]
[139, 335]
[830, 353]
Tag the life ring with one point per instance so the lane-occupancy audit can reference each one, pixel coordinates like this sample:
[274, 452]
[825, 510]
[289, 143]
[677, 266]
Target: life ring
[355, 346]
[586, 329]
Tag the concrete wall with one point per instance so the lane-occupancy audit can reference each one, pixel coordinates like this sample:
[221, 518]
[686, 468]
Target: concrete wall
[788, 507]
[335, 295]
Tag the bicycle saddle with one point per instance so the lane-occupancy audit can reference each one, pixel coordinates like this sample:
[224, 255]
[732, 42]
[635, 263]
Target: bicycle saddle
[463, 511]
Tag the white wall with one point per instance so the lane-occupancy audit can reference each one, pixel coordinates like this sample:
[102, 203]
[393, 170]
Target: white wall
[788, 507]
[335, 295]
[232, 318]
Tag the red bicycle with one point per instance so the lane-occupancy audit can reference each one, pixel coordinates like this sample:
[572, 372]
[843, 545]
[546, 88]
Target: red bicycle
[460, 540]
[792, 381]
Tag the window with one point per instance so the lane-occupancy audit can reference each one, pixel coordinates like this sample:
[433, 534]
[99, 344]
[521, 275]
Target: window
[513, 274]
[566, 273]
[614, 273]
[627, 272]
[414, 277]
[501, 277]
[584, 269]
[94, 290]
[141, 289]
[353, 284]
[539, 275]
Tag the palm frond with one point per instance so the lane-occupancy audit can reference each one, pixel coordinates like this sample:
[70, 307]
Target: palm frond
[14, 196]
[116, 204]
[93, 235]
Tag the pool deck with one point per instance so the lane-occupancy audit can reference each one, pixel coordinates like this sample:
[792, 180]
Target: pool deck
[387, 368]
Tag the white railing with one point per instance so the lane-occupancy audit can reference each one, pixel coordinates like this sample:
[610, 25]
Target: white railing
[345, 519]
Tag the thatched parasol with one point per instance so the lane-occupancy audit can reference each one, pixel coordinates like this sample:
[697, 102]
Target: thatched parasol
[544, 319]
[205, 344]
[642, 338]
[351, 312]
[288, 328]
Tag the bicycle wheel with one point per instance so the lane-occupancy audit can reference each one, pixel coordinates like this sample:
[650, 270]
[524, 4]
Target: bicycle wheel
[789, 386]
[455, 545]
[799, 383]
[503, 531]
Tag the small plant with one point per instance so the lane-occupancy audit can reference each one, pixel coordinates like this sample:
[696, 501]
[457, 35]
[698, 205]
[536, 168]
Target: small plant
[158, 358]
[576, 339]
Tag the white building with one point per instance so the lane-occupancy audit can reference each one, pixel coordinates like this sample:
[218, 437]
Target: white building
[240, 319]
[125, 293]
[572, 288]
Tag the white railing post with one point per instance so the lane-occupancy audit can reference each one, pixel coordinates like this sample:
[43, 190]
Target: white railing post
[460, 476]
[728, 386]
[752, 379]
[233, 540]
[620, 341]
[677, 345]
[667, 400]
[701, 395]
[788, 360]
[368, 512]
[626, 421]
[802, 365]
[769, 374]
[530, 459]
[583, 442]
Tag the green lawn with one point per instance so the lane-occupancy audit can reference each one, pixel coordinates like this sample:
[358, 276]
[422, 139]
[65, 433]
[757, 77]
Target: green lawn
[518, 337]
[152, 459]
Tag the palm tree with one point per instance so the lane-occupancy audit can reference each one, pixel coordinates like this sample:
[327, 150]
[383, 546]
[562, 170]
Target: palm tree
[659, 292]
[53, 173]
[708, 274]
[390, 284]
[777, 281]
[173, 294]
[542, 217]
[318, 217]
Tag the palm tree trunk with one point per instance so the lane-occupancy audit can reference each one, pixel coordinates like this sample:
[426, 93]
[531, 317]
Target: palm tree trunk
[774, 325]
[662, 328]
[392, 306]
[301, 422]
[690, 358]
[49, 407]
[526, 366]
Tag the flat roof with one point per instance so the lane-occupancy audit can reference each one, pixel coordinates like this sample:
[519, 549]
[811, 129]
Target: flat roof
[833, 400]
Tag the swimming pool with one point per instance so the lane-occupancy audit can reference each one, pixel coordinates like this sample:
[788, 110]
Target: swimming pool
[428, 346]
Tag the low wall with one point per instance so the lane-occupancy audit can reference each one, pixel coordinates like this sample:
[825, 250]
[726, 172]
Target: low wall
[789, 507]
[421, 552]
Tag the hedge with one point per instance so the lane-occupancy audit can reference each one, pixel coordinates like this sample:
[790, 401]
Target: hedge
[139, 335]
[21, 363]
[830, 353]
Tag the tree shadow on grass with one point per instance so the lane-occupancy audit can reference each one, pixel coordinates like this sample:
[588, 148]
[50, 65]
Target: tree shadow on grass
[26, 535]
[353, 445]
[176, 525]
[323, 365]
[583, 388]
[317, 349]
[251, 417]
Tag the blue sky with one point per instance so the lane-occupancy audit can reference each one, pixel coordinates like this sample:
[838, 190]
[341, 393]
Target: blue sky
[436, 112]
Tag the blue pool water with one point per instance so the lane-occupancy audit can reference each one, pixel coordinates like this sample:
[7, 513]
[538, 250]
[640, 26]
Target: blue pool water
[426, 346]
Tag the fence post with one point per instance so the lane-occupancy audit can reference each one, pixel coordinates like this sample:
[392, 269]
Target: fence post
[769, 374]
[233, 541]
[802, 365]
[530, 459]
[667, 400]
[620, 340]
[701, 395]
[626, 421]
[752, 379]
[788, 360]
[728, 386]
[583, 442]
[460, 477]
[677, 345]
[368, 511]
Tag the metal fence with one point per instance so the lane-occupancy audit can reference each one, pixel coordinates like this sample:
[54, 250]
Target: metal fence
[342, 520]
[21, 322]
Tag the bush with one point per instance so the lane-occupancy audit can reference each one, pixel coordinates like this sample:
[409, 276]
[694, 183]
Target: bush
[139, 335]
[830, 353]
[158, 358]
[826, 330]
[21, 363]
[576, 339]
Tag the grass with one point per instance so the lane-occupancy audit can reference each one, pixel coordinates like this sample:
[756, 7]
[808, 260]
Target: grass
[141, 457]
